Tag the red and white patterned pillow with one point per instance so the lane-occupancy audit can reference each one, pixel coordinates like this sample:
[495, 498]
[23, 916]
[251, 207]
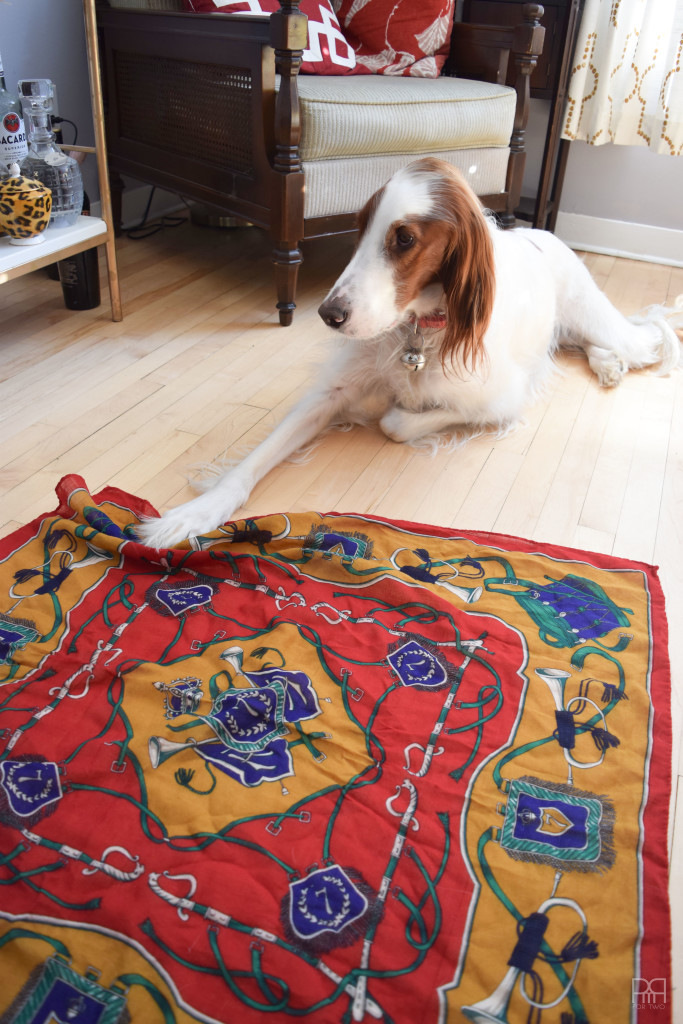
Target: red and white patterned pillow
[397, 37]
[328, 51]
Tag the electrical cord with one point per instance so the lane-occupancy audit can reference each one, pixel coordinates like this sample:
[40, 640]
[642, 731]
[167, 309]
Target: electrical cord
[140, 230]
[65, 120]
[143, 230]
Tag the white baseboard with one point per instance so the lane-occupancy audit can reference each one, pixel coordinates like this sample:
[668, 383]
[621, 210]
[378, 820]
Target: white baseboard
[621, 238]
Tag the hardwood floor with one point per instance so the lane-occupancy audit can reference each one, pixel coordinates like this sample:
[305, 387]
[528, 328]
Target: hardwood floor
[199, 369]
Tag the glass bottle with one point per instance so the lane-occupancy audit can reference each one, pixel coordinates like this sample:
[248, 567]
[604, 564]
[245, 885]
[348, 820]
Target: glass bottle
[13, 145]
[45, 160]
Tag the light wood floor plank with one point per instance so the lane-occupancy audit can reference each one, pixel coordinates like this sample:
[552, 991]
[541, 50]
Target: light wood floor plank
[605, 491]
[489, 492]
[640, 511]
[563, 505]
[522, 508]
[443, 491]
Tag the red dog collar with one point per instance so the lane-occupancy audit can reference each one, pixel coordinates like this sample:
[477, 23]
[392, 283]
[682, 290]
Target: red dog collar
[435, 321]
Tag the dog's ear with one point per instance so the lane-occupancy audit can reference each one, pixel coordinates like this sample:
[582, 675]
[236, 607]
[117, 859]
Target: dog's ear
[467, 275]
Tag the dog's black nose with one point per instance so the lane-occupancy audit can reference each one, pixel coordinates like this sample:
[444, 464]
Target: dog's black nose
[334, 316]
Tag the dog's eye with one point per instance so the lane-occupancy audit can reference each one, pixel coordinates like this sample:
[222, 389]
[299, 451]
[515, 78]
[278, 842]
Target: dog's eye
[404, 239]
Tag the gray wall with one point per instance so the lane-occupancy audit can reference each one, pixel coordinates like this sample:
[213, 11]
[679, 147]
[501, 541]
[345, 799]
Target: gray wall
[46, 39]
[623, 183]
[629, 183]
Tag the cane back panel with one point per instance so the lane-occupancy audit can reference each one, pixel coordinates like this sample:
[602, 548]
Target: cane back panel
[186, 112]
[167, 103]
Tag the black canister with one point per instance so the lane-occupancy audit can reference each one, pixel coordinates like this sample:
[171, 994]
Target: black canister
[80, 276]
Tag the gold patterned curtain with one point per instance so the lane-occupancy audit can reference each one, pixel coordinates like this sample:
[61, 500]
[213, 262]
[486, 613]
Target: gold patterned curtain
[626, 84]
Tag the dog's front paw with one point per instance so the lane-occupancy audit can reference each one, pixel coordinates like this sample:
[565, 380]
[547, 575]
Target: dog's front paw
[196, 517]
[610, 372]
[400, 425]
[607, 366]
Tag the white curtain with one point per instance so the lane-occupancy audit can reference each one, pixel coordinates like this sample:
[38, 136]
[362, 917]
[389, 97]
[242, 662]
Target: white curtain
[626, 84]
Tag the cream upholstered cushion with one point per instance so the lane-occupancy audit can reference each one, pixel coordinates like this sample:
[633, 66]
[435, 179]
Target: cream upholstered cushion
[351, 116]
[357, 131]
[343, 186]
[343, 116]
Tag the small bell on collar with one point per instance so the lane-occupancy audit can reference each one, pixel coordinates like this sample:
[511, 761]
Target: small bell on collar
[413, 359]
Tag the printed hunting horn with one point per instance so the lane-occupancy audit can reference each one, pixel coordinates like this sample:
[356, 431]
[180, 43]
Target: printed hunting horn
[493, 1009]
[555, 680]
[160, 749]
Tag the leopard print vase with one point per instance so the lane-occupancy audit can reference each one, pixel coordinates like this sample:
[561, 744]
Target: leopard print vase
[25, 207]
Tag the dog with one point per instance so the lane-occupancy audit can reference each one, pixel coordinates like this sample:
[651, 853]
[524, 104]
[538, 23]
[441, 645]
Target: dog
[447, 321]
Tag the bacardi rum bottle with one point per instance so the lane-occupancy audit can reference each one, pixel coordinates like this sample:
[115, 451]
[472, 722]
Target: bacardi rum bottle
[13, 144]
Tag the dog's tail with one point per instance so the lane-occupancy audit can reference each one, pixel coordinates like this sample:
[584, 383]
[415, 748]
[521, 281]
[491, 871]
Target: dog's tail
[662, 322]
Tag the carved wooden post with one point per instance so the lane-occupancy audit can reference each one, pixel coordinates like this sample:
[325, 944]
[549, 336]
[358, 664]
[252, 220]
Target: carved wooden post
[288, 35]
[526, 49]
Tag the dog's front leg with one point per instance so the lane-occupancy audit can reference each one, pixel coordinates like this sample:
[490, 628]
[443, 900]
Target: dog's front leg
[314, 412]
[403, 425]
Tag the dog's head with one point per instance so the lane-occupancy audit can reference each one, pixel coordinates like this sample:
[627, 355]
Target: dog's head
[424, 243]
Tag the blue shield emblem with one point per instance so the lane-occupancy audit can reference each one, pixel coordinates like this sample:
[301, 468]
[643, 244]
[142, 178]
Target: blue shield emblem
[346, 546]
[30, 786]
[249, 719]
[184, 599]
[416, 666]
[184, 596]
[301, 701]
[14, 635]
[56, 993]
[557, 824]
[326, 900]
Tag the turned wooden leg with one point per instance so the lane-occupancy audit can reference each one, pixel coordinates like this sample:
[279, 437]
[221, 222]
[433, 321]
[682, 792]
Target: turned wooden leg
[287, 259]
[507, 220]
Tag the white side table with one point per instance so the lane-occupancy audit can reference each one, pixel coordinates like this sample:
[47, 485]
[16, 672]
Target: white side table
[59, 243]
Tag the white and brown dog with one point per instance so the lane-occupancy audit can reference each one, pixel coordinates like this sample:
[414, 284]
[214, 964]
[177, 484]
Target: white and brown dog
[434, 285]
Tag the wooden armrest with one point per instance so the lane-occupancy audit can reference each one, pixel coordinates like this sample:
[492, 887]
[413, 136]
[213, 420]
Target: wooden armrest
[480, 52]
[483, 52]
